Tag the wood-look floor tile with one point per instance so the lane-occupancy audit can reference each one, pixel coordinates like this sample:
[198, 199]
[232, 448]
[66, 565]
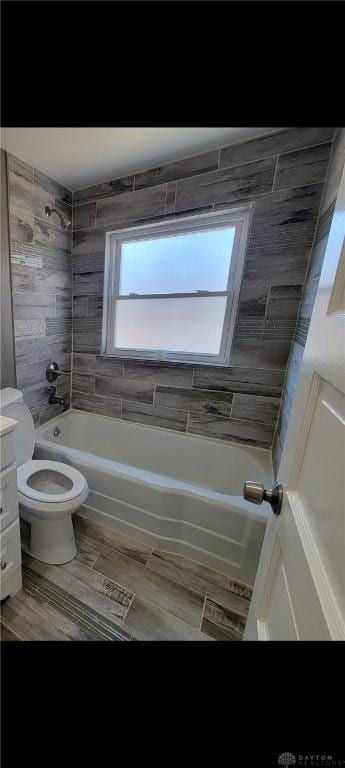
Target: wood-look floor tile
[100, 594]
[6, 633]
[137, 550]
[163, 592]
[222, 623]
[88, 550]
[218, 633]
[204, 572]
[34, 619]
[197, 578]
[146, 621]
[83, 622]
[59, 614]
[118, 588]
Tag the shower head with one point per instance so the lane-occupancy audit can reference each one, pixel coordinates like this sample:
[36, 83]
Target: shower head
[65, 223]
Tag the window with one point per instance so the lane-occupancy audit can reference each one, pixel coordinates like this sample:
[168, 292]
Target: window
[171, 289]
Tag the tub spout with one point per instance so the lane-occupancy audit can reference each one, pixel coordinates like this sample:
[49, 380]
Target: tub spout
[55, 400]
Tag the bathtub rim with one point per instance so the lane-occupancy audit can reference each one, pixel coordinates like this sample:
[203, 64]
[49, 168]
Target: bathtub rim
[192, 435]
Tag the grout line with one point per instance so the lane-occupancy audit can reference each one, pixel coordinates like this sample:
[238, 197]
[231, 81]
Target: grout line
[202, 613]
[82, 229]
[275, 174]
[187, 424]
[266, 316]
[128, 609]
[149, 558]
[174, 206]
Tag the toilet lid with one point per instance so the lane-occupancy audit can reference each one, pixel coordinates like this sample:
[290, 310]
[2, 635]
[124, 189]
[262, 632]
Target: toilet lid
[27, 470]
[24, 433]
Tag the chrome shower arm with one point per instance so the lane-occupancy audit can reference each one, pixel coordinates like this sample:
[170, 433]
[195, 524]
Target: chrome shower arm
[64, 222]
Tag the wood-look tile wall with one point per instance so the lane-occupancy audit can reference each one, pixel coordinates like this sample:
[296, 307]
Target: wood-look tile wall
[283, 177]
[335, 168]
[41, 284]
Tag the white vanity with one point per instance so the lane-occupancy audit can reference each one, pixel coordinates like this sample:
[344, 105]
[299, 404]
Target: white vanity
[10, 549]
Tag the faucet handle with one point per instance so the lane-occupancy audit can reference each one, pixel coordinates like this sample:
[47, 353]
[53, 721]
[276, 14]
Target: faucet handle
[52, 370]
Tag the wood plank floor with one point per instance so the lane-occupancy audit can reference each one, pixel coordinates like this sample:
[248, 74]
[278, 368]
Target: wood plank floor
[118, 588]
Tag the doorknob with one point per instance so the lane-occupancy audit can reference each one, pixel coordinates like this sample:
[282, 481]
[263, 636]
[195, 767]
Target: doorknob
[257, 493]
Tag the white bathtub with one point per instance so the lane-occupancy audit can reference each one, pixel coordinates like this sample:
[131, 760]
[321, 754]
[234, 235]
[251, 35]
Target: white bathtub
[177, 492]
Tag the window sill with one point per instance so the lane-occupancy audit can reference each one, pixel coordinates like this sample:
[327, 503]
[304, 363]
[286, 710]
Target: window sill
[165, 361]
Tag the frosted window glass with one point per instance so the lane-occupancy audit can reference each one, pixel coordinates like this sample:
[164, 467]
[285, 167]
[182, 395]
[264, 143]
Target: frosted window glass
[177, 264]
[175, 325]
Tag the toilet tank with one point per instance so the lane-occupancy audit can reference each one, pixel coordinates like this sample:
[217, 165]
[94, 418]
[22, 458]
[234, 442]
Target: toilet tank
[12, 405]
[9, 396]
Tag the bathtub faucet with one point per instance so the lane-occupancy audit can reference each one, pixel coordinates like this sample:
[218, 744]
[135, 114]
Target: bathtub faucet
[53, 399]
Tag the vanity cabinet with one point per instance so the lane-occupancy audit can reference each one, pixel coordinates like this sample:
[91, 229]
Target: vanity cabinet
[10, 549]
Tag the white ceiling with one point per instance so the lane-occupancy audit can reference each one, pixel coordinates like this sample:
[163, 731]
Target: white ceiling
[79, 157]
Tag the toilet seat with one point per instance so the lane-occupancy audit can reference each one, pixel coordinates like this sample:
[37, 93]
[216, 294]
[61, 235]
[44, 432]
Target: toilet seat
[49, 492]
[30, 468]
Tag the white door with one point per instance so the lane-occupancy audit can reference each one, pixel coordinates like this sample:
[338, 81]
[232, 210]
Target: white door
[299, 591]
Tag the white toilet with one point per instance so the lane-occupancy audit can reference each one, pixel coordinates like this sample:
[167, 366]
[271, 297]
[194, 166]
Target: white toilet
[48, 491]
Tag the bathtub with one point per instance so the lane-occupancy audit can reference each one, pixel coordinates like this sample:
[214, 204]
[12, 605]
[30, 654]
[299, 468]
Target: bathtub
[177, 492]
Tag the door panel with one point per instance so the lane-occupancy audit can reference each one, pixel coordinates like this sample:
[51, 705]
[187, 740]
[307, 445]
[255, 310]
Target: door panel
[321, 484]
[299, 590]
[278, 620]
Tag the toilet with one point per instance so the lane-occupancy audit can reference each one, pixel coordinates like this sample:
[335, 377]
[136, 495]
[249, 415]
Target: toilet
[48, 491]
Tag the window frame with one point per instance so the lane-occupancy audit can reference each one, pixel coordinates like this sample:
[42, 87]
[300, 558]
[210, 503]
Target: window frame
[239, 217]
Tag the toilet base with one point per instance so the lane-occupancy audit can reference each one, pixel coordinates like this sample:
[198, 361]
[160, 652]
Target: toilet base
[50, 541]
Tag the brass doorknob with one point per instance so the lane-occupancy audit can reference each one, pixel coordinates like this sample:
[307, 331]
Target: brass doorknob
[257, 493]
